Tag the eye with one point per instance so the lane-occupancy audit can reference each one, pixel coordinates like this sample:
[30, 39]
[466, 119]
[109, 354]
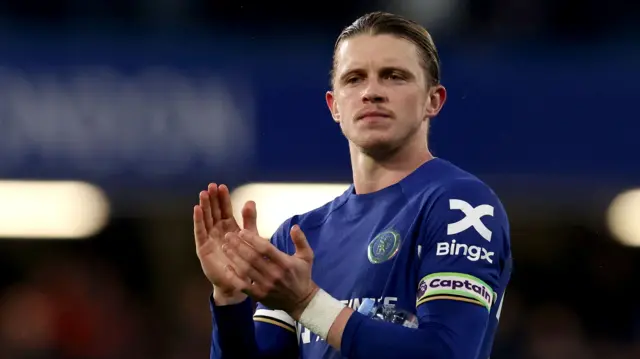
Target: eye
[394, 77]
[353, 80]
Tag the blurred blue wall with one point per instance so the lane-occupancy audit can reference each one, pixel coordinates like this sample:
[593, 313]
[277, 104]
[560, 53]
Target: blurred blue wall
[183, 109]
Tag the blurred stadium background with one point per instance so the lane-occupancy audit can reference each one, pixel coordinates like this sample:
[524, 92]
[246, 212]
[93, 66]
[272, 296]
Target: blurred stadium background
[114, 114]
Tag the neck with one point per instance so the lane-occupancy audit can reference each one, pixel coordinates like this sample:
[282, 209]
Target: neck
[371, 175]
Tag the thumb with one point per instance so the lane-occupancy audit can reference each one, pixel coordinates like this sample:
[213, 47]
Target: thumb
[250, 217]
[303, 249]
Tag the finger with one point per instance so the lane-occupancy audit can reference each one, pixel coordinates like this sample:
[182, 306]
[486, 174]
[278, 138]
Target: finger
[242, 267]
[253, 289]
[299, 239]
[205, 204]
[199, 230]
[263, 265]
[214, 203]
[250, 217]
[225, 202]
[235, 279]
[264, 247]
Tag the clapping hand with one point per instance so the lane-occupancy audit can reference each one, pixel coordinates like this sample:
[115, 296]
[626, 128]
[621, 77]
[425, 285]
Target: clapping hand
[212, 220]
[276, 279]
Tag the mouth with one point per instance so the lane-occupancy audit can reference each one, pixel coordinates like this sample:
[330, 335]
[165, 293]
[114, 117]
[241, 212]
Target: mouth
[373, 116]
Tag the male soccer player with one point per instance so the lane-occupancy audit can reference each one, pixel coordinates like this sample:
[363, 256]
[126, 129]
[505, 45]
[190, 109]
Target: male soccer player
[415, 234]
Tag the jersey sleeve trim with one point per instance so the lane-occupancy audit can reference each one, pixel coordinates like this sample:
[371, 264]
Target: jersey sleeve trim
[455, 286]
[275, 317]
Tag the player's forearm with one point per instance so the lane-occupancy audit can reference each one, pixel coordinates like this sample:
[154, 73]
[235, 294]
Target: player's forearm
[372, 339]
[359, 337]
[337, 328]
[233, 331]
[236, 335]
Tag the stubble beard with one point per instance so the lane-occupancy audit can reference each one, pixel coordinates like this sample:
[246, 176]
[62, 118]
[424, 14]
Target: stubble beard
[384, 150]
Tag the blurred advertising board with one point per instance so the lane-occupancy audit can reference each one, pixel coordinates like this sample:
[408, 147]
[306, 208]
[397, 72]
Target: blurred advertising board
[99, 122]
[181, 110]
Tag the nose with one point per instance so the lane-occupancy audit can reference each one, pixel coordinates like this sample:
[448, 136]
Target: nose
[374, 93]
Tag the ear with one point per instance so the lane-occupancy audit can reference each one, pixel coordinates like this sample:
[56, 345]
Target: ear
[333, 106]
[437, 97]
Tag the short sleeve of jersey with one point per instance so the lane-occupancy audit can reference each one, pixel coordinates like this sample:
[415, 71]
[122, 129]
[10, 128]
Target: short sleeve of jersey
[464, 246]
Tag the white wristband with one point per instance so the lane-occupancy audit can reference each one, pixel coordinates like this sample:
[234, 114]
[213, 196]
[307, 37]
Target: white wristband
[320, 314]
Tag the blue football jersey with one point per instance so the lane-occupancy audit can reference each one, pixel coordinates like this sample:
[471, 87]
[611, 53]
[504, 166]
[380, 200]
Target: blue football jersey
[436, 245]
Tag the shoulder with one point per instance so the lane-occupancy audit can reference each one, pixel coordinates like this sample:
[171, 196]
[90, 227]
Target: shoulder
[461, 205]
[308, 220]
[464, 229]
[455, 187]
[470, 190]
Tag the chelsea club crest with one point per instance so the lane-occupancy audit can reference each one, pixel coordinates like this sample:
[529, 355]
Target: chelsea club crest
[384, 246]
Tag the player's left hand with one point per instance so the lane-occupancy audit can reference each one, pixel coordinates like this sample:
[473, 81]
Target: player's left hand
[279, 281]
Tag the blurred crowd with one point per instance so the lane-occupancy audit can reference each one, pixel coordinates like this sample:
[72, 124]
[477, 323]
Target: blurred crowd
[89, 301]
[92, 301]
[79, 309]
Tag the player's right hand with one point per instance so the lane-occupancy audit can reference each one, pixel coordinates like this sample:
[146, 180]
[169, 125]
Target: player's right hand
[212, 219]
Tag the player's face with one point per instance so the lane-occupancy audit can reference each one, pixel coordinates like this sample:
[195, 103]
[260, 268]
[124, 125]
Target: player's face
[381, 98]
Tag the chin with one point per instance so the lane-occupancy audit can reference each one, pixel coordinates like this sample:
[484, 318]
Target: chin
[378, 148]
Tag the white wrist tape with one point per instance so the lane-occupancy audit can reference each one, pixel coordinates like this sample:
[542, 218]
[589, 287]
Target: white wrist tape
[320, 314]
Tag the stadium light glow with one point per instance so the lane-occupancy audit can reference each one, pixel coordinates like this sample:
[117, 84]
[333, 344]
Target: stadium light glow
[276, 202]
[51, 209]
[623, 218]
